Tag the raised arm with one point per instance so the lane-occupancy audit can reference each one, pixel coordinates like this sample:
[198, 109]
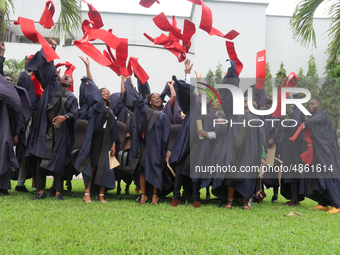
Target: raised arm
[188, 66]
[2, 58]
[198, 77]
[87, 64]
[122, 86]
[173, 93]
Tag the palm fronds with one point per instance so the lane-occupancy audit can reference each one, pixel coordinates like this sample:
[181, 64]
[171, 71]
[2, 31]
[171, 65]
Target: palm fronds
[301, 23]
[69, 18]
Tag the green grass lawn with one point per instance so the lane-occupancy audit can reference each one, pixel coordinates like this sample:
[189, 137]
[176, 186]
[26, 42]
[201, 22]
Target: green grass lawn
[123, 226]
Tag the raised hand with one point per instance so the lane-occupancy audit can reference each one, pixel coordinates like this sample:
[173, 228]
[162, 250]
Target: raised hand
[52, 42]
[3, 48]
[26, 60]
[86, 61]
[171, 84]
[198, 75]
[188, 66]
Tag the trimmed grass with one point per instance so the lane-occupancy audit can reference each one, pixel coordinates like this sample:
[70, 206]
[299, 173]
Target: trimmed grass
[122, 226]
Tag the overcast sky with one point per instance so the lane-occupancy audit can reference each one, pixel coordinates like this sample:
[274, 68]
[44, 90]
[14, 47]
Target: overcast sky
[183, 7]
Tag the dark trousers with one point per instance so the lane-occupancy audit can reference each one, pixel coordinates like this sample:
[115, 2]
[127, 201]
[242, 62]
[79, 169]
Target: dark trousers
[196, 190]
[294, 189]
[179, 181]
[41, 174]
[325, 202]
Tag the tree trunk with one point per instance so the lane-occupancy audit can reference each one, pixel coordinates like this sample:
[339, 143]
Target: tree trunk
[2, 19]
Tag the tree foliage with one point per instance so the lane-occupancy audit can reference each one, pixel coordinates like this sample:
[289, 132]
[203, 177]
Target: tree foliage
[209, 78]
[13, 68]
[302, 27]
[329, 93]
[268, 85]
[281, 75]
[218, 73]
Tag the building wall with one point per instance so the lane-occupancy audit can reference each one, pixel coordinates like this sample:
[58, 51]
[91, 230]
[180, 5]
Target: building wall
[281, 47]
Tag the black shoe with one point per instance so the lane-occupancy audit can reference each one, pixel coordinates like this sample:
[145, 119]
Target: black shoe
[4, 192]
[59, 197]
[39, 196]
[274, 199]
[21, 189]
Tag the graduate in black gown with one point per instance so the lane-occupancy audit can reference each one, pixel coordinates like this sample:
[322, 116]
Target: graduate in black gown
[25, 170]
[11, 124]
[241, 147]
[270, 127]
[325, 186]
[172, 108]
[53, 132]
[289, 152]
[22, 117]
[150, 130]
[101, 137]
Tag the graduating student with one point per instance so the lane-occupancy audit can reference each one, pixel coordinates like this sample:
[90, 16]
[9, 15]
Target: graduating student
[18, 119]
[101, 137]
[326, 186]
[172, 108]
[270, 127]
[150, 130]
[53, 132]
[10, 109]
[242, 146]
[180, 154]
[290, 152]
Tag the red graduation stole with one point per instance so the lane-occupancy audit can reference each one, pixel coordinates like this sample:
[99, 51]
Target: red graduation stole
[261, 69]
[206, 22]
[94, 15]
[171, 42]
[117, 64]
[307, 156]
[46, 19]
[233, 56]
[285, 84]
[29, 31]
[147, 3]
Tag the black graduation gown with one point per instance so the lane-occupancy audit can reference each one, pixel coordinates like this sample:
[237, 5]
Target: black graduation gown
[180, 154]
[10, 107]
[290, 151]
[251, 152]
[201, 150]
[325, 185]
[92, 105]
[22, 117]
[174, 113]
[52, 144]
[148, 154]
[26, 82]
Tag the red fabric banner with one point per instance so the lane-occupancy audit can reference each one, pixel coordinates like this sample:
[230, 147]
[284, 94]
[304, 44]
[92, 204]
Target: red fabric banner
[46, 19]
[148, 3]
[94, 16]
[285, 84]
[29, 31]
[207, 21]
[261, 69]
[233, 56]
[307, 156]
[171, 42]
